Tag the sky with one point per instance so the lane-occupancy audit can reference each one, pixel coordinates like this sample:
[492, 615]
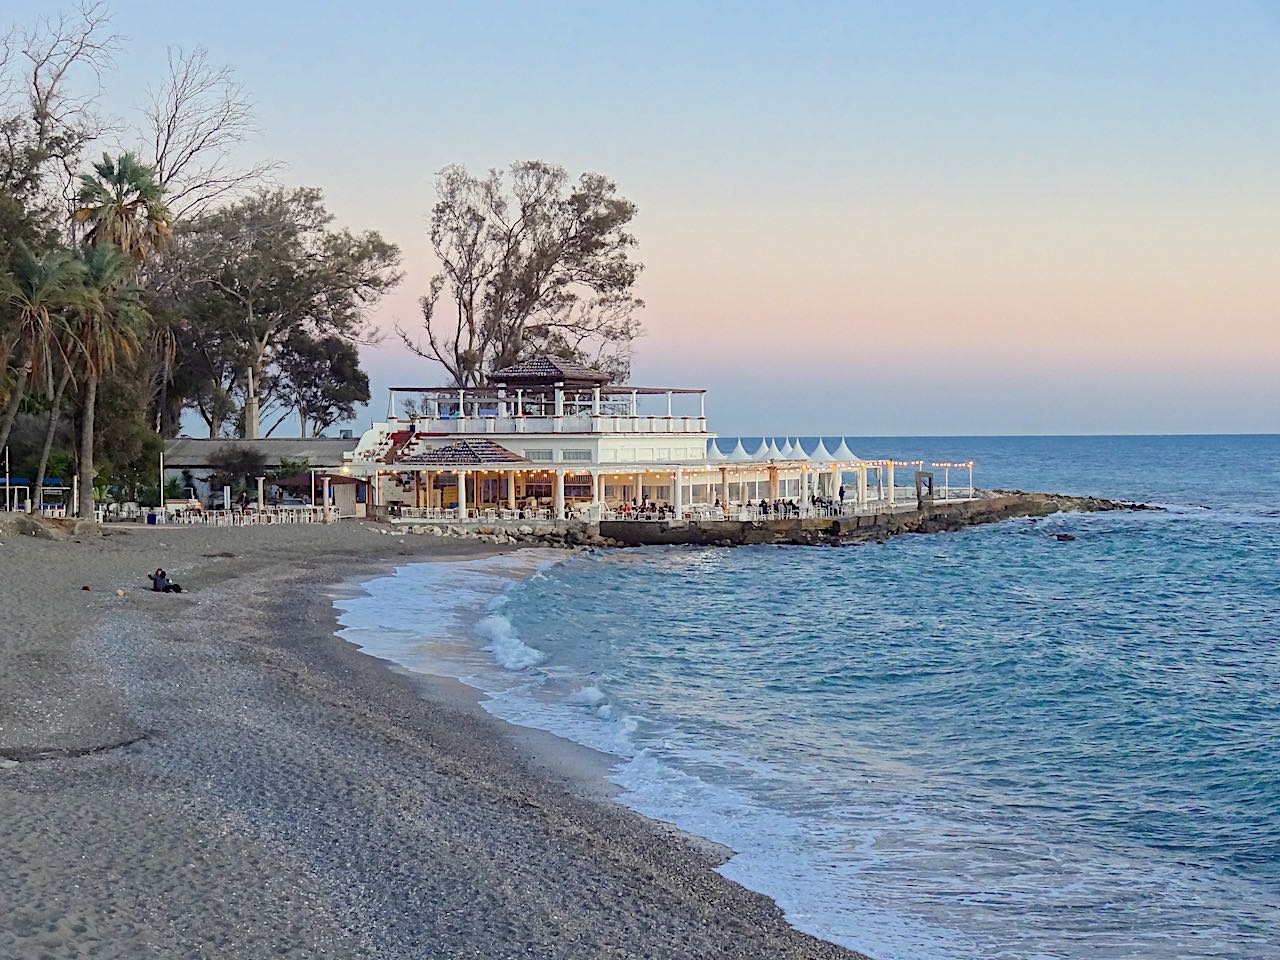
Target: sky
[859, 219]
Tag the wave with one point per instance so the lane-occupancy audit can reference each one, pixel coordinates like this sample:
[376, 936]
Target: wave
[507, 648]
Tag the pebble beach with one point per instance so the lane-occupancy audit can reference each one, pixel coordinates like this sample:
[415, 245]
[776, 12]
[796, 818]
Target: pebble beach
[216, 774]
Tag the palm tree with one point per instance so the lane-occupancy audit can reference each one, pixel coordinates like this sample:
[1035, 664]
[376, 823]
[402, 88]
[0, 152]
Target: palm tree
[65, 373]
[109, 326]
[124, 203]
[40, 288]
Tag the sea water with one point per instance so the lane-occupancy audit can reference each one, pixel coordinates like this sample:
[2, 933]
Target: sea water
[986, 743]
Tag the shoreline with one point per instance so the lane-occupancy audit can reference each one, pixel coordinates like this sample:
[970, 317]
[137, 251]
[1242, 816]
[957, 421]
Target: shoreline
[285, 796]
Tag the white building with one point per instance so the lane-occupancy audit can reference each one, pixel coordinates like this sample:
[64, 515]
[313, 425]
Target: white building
[550, 437]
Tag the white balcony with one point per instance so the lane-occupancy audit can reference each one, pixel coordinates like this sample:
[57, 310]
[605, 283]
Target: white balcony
[565, 424]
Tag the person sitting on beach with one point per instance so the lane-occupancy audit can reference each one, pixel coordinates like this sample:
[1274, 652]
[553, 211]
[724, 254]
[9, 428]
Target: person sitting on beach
[160, 583]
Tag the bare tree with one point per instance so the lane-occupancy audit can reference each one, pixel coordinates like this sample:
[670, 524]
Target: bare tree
[195, 121]
[531, 262]
[44, 125]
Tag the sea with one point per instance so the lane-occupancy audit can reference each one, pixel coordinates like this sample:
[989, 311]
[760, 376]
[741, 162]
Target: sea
[988, 743]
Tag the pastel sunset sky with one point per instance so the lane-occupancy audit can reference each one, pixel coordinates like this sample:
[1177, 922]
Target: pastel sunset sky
[930, 218]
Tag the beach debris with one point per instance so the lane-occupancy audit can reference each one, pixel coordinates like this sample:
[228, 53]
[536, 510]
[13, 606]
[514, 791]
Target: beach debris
[7, 764]
[121, 593]
[86, 587]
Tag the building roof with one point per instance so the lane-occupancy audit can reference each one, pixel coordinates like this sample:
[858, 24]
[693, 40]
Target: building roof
[190, 453]
[301, 481]
[464, 452]
[544, 369]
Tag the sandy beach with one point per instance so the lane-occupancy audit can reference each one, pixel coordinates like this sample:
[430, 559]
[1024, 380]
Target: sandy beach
[216, 774]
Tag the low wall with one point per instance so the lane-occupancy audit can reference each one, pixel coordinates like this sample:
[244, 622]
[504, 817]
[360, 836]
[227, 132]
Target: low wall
[933, 518]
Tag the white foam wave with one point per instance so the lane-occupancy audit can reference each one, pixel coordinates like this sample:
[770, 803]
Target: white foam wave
[589, 696]
[507, 648]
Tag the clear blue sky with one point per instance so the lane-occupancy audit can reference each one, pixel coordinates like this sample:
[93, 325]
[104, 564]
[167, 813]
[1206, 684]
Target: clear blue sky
[855, 218]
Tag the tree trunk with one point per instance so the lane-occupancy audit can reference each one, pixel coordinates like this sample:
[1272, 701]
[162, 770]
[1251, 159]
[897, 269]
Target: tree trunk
[15, 401]
[302, 423]
[86, 446]
[55, 410]
[252, 424]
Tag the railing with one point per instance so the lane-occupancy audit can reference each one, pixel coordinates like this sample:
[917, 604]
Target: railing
[568, 423]
[450, 514]
[697, 512]
[251, 518]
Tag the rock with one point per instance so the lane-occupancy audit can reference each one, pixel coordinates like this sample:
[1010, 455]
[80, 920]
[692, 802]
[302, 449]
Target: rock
[1064, 536]
[524, 530]
[86, 586]
[121, 593]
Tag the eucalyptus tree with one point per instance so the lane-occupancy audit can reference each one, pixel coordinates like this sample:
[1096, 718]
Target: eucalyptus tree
[38, 289]
[320, 380]
[109, 325]
[272, 265]
[532, 262]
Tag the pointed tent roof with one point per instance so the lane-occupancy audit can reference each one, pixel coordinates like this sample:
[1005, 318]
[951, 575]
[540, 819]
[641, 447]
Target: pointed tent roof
[843, 452]
[546, 370]
[820, 452]
[797, 451]
[786, 451]
[739, 452]
[769, 451]
[465, 453]
[713, 451]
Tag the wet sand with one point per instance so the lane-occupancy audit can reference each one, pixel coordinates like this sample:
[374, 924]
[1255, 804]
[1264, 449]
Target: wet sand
[216, 774]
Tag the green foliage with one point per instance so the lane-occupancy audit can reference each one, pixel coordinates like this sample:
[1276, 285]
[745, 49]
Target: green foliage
[289, 467]
[321, 380]
[533, 263]
[265, 272]
[237, 466]
[123, 203]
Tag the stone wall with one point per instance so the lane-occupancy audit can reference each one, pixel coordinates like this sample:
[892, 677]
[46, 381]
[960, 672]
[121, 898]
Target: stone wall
[934, 518]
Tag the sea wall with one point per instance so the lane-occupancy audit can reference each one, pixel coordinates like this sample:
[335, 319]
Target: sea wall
[930, 518]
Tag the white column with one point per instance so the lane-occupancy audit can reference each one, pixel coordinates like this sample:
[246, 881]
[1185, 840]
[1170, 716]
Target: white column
[559, 400]
[462, 404]
[724, 487]
[559, 490]
[889, 472]
[462, 494]
[262, 502]
[668, 403]
[597, 487]
[635, 403]
[511, 489]
[862, 485]
[595, 402]
[702, 406]
[678, 503]
[639, 495]
[328, 512]
[520, 402]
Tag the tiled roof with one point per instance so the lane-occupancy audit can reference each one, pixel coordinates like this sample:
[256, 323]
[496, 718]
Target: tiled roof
[546, 368]
[465, 452]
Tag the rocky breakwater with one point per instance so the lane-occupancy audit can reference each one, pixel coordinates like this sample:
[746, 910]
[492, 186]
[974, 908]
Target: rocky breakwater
[569, 534]
[936, 517]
